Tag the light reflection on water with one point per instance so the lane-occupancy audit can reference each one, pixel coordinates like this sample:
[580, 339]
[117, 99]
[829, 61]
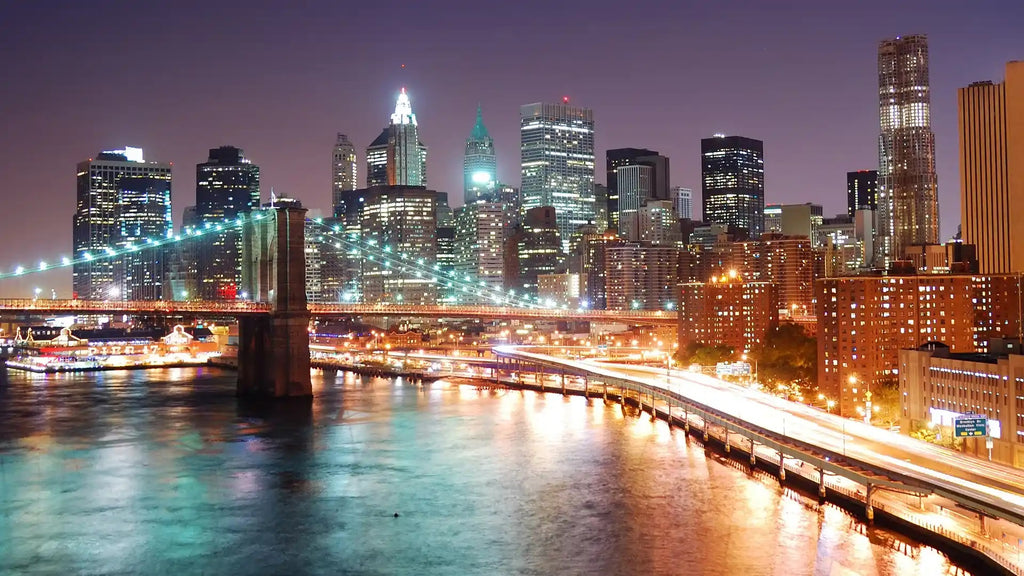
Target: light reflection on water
[162, 471]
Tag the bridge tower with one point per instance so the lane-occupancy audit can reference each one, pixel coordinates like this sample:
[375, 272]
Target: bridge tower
[273, 351]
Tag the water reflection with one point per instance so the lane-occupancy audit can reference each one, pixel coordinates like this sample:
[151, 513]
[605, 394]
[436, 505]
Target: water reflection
[164, 471]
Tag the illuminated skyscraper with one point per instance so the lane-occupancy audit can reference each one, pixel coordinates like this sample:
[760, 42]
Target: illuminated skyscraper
[908, 205]
[479, 167]
[557, 152]
[343, 173]
[634, 184]
[227, 185]
[732, 182]
[397, 157]
[122, 200]
[402, 220]
[682, 202]
[991, 120]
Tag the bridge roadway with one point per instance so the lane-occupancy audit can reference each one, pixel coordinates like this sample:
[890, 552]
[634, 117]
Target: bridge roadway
[242, 308]
[851, 449]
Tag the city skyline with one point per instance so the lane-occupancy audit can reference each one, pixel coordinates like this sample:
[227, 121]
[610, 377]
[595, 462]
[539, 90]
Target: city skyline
[287, 127]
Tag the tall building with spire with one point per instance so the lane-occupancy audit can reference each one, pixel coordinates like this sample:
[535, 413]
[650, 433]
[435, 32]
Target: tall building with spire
[479, 167]
[397, 157]
[908, 205]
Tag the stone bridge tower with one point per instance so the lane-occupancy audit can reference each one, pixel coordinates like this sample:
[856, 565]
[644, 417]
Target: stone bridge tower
[273, 351]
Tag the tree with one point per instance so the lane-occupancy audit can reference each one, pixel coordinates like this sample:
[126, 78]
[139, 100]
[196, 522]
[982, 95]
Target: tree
[788, 356]
[885, 402]
[705, 355]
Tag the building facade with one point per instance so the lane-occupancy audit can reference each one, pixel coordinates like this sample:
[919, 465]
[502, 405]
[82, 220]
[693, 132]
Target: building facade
[557, 159]
[227, 185]
[122, 200]
[480, 248]
[908, 205]
[659, 176]
[535, 249]
[640, 276]
[402, 222]
[344, 175]
[864, 321]
[937, 385]
[861, 191]
[726, 310]
[732, 182]
[991, 125]
[682, 202]
[633, 182]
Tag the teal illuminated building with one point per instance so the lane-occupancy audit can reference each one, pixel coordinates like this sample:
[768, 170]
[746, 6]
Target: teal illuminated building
[479, 167]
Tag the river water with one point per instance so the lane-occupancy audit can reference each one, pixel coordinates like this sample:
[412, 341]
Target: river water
[162, 472]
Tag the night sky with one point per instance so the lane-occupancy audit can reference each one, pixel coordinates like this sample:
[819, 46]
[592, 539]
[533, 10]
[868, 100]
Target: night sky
[280, 81]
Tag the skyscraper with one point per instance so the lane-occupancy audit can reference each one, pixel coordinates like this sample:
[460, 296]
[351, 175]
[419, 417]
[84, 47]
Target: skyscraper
[343, 173]
[732, 182]
[634, 189]
[682, 202]
[659, 189]
[402, 221]
[397, 157]
[121, 199]
[991, 122]
[479, 168]
[534, 250]
[861, 191]
[557, 151]
[227, 185]
[908, 205]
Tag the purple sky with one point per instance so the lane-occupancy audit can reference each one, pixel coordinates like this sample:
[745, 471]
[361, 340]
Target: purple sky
[280, 81]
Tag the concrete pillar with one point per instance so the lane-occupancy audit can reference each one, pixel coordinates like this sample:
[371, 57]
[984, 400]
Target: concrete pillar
[686, 421]
[586, 387]
[821, 484]
[563, 383]
[782, 467]
[869, 510]
[753, 457]
[706, 436]
[273, 351]
[728, 448]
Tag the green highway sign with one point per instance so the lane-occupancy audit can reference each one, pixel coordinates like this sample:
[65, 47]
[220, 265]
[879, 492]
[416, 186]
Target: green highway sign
[970, 426]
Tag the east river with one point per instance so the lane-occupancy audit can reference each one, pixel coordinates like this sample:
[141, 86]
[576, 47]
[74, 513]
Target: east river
[162, 472]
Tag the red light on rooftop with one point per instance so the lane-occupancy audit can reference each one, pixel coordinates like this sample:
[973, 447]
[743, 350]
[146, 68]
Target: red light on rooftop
[565, 99]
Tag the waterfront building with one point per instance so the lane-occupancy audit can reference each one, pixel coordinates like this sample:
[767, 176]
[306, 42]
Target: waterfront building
[938, 385]
[682, 202]
[640, 276]
[397, 157]
[633, 182]
[557, 154]
[991, 125]
[726, 310]
[534, 250]
[479, 168]
[861, 191]
[343, 168]
[402, 222]
[227, 186]
[732, 182]
[908, 205]
[121, 200]
[863, 322]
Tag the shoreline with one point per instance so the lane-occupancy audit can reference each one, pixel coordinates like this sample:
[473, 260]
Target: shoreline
[961, 551]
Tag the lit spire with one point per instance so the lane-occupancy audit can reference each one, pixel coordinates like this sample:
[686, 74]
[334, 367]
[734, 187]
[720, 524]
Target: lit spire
[479, 130]
[403, 110]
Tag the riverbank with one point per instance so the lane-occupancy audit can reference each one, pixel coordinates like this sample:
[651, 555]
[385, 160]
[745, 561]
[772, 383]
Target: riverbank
[802, 479]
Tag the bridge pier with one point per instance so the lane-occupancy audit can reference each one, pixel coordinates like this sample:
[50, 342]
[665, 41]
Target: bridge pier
[563, 383]
[273, 351]
[821, 485]
[753, 457]
[782, 467]
[727, 447]
[869, 511]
